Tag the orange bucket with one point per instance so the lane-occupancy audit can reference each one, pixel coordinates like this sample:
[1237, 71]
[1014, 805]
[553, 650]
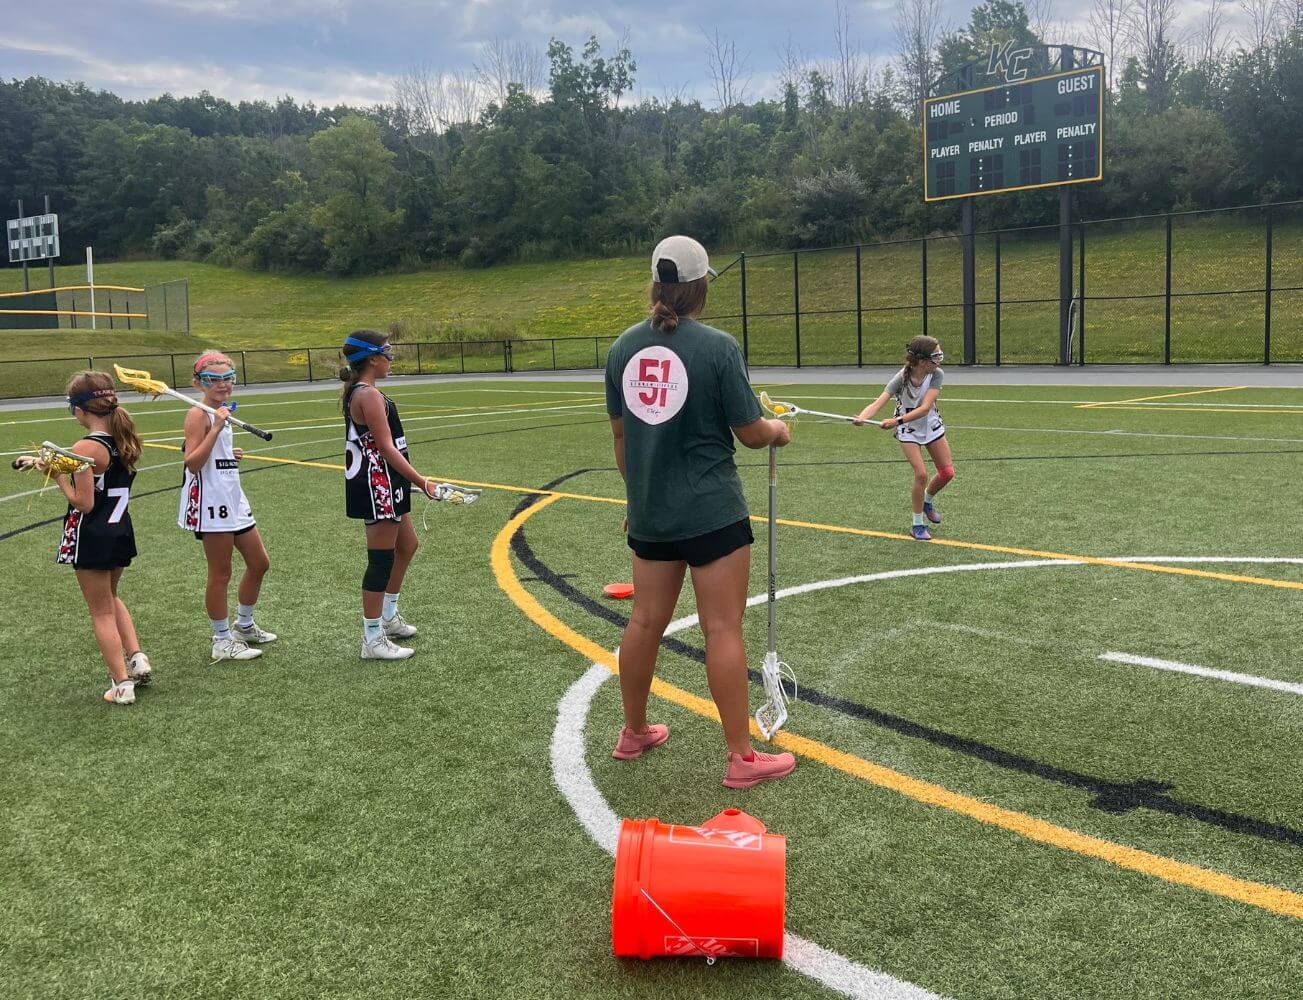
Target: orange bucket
[717, 890]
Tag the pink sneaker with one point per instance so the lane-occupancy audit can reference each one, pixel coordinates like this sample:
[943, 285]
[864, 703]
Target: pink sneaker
[743, 773]
[631, 745]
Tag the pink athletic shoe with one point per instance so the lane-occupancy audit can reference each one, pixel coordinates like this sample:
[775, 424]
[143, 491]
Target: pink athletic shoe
[631, 745]
[743, 773]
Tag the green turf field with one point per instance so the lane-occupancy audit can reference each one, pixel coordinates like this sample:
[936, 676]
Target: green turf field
[983, 807]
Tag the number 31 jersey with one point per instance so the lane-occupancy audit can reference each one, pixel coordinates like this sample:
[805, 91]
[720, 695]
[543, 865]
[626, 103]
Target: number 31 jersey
[212, 498]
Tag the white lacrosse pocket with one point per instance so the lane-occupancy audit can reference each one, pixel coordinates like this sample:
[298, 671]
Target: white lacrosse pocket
[773, 713]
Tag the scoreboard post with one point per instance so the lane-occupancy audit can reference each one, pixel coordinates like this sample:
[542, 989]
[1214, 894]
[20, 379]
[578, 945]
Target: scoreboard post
[1021, 120]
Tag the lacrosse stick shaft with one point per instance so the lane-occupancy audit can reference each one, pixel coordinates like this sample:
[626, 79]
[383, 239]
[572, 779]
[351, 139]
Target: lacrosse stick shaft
[773, 555]
[830, 416]
[200, 404]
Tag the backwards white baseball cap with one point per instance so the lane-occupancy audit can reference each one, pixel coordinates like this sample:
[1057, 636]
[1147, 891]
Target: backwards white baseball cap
[678, 259]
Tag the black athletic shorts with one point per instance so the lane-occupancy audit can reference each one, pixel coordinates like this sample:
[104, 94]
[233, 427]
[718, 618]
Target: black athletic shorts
[237, 534]
[700, 550]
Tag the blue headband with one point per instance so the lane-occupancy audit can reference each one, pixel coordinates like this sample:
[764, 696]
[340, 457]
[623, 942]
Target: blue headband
[365, 349]
[82, 398]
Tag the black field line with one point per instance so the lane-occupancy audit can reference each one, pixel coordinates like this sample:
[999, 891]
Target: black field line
[1109, 796]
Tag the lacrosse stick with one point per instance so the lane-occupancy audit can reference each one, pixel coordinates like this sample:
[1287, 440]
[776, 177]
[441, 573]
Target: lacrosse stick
[448, 493]
[783, 410]
[145, 383]
[52, 460]
[773, 713]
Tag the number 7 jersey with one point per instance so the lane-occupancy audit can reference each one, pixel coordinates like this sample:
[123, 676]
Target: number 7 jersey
[212, 498]
[102, 537]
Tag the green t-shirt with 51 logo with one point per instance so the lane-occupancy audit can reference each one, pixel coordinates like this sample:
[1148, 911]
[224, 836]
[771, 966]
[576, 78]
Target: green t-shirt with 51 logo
[680, 394]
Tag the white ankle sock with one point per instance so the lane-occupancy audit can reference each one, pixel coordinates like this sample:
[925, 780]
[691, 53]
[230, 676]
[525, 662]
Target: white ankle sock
[390, 605]
[371, 629]
[244, 615]
[221, 628]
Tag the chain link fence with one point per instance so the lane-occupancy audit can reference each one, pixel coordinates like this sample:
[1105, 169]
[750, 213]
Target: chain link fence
[48, 376]
[1216, 286]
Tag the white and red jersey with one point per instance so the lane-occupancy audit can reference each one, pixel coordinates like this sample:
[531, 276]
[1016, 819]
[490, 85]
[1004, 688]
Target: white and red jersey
[212, 498]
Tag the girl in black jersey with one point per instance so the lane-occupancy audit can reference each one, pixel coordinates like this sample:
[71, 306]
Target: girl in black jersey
[377, 490]
[98, 541]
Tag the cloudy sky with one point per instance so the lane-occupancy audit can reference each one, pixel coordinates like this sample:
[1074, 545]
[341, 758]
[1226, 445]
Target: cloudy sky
[349, 51]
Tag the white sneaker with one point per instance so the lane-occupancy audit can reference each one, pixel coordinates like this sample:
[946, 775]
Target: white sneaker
[397, 627]
[252, 633]
[138, 669]
[233, 649]
[380, 648]
[121, 693]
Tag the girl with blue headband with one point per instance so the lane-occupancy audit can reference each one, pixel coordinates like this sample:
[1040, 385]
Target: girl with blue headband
[377, 490]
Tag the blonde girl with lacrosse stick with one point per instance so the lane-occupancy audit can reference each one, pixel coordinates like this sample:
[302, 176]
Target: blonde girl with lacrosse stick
[98, 541]
[677, 394]
[378, 479]
[917, 425]
[214, 507]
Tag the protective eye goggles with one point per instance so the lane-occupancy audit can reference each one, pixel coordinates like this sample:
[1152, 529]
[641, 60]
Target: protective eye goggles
[212, 378]
[936, 357]
[82, 398]
[365, 349]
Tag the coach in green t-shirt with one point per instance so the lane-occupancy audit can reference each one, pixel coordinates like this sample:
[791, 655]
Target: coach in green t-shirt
[677, 394]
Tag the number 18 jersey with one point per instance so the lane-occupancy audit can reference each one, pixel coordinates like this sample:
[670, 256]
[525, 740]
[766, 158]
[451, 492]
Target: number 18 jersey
[212, 498]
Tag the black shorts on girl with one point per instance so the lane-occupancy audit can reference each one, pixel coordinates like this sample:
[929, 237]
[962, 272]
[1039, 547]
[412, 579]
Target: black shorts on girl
[699, 551]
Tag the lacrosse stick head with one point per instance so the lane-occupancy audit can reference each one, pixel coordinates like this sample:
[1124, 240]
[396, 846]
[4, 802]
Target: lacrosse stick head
[52, 460]
[140, 380]
[450, 493]
[774, 408]
[771, 715]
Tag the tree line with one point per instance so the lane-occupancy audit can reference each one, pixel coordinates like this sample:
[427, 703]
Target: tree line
[540, 154]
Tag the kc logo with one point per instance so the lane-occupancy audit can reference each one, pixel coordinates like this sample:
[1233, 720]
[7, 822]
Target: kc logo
[1008, 62]
[655, 385]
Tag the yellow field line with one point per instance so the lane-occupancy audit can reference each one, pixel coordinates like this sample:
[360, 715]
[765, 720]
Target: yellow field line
[1267, 897]
[317, 423]
[1166, 395]
[425, 408]
[1176, 408]
[1204, 574]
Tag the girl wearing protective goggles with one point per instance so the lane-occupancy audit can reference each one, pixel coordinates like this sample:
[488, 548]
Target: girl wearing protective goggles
[214, 507]
[378, 484]
[917, 425]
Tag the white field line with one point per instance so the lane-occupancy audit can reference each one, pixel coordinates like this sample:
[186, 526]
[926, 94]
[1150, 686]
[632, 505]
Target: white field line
[407, 421]
[574, 779]
[259, 451]
[327, 395]
[1189, 668]
[1102, 404]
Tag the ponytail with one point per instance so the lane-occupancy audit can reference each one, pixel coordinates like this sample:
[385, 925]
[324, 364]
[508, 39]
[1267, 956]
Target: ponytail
[123, 429]
[350, 372]
[94, 392]
[664, 318]
[673, 301]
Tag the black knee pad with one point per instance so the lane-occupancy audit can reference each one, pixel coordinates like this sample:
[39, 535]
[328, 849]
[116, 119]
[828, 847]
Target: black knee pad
[379, 564]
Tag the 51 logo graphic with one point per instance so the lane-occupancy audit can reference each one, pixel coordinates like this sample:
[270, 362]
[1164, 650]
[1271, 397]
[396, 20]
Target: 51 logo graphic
[655, 385]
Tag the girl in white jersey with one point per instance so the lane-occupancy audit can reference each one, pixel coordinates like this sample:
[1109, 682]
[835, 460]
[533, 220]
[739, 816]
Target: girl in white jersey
[917, 423]
[214, 507]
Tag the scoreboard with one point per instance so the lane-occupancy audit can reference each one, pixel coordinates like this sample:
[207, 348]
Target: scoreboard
[1040, 132]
